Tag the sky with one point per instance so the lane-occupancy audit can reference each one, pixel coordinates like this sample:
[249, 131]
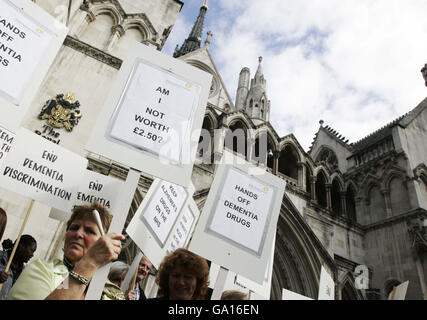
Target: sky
[355, 64]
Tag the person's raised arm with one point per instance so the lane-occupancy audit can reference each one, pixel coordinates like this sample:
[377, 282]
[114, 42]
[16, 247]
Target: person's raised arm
[104, 250]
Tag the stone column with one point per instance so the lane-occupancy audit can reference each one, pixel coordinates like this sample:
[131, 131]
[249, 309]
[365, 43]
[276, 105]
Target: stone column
[328, 188]
[276, 155]
[313, 188]
[219, 140]
[117, 32]
[80, 22]
[250, 148]
[343, 203]
[301, 175]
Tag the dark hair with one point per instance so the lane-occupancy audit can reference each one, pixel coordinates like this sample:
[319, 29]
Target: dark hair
[191, 262]
[7, 244]
[25, 241]
[3, 222]
[85, 211]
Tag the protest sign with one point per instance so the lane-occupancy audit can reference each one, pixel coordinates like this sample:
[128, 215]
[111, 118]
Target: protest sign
[6, 139]
[290, 295]
[399, 292]
[326, 286]
[238, 222]
[237, 282]
[152, 118]
[41, 170]
[166, 211]
[29, 41]
[94, 187]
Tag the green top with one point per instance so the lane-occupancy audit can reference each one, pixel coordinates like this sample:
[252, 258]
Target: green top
[38, 280]
[112, 292]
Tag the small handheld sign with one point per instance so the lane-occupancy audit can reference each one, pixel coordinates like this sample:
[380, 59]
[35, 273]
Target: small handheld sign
[162, 220]
[30, 41]
[153, 115]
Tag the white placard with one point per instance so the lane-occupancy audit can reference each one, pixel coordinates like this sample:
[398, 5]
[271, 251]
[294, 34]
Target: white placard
[94, 187]
[155, 108]
[399, 292]
[239, 219]
[290, 295]
[42, 171]
[158, 218]
[6, 139]
[264, 289]
[29, 41]
[241, 214]
[23, 42]
[326, 286]
[152, 118]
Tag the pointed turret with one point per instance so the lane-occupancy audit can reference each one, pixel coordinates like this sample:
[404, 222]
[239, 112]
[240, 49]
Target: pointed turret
[254, 101]
[194, 39]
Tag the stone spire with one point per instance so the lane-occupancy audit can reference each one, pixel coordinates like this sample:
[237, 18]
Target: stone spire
[193, 41]
[256, 104]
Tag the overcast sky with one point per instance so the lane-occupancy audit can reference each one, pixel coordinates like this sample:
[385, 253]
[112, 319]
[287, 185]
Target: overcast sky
[353, 63]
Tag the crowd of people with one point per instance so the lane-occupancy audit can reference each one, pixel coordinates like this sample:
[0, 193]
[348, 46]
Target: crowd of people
[182, 274]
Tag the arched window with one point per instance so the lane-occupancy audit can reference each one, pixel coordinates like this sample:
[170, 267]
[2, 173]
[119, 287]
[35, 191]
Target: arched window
[321, 189]
[204, 149]
[98, 31]
[288, 161]
[251, 103]
[124, 43]
[235, 138]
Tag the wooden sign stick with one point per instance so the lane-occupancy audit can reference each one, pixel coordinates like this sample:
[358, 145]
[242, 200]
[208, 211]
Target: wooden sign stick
[18, 239]
[134, 279]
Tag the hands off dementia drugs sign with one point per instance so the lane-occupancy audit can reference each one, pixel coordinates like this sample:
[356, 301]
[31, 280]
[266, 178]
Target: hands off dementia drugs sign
[41, 170]
[23, 43]
[29, 41]
[237, 226]
[153, 115]
[242, 211]
[155, 111]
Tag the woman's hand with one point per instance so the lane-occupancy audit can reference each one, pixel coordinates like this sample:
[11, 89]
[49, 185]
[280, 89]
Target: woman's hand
[105, 249]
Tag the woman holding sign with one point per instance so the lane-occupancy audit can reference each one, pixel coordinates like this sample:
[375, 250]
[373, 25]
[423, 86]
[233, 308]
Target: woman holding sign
[85, 250]
[183, 275]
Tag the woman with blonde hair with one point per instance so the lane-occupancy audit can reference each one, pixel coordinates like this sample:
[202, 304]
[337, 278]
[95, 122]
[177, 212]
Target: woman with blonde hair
[85, 251]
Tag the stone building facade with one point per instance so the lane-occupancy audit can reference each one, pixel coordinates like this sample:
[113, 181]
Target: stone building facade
[346, 204]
